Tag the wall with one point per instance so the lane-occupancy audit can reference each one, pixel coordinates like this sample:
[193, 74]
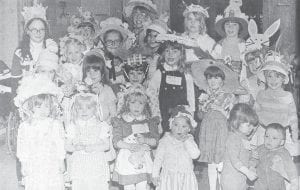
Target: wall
[8, 30]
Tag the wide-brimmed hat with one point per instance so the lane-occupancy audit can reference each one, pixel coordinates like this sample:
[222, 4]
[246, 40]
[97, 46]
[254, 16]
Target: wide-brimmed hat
[275, 62]
[159, 26]
[148, 4]
[195, 8]
[231, 82]
[232, 14]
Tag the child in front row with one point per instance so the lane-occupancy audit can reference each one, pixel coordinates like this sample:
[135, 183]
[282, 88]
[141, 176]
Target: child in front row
[88, 139]
[274, 162]
[135, 133]
[173, 164]
[242, 122]
[40, 141]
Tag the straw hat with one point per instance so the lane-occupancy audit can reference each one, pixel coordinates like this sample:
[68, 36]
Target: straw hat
[148, 4]
[195, 8]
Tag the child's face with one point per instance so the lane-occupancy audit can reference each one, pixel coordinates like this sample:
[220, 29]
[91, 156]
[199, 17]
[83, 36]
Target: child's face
[94, 74]
[113, 41]
[180, 127]
[231, 29]
[136, 105]
[172, 56]
[136, 76]
[215, 83]
[76, 21]
[49, 73]
[74, 53]
[274, 79]
[246, 128]
[254, 64]
[140, 18]
[43, 110]
[273, 139]
[37, 31]
[192, 23]
[86, 32]
[152, 39]
[85, 110]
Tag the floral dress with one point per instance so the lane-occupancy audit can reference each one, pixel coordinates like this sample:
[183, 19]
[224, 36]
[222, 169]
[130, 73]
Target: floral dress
[40, 149]
[88, 170]
[213, 129]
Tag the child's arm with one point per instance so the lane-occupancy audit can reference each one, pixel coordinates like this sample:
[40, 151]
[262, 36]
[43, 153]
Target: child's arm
[293, 119]
[159, 158]
[192, 147]
[233, 150]
[190, 93]
[103, 144]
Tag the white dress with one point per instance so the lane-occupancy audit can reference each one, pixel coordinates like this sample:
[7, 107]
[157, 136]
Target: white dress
[40, 149]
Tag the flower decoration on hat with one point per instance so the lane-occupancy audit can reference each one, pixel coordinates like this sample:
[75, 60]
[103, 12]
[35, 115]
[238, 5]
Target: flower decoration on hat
[88, 16]
[148, 4]
[113, 23]
[275, 62]
[182, 111]
[33, 85]
[47, 60]
[160, 25]
[196, 8]
[36, 11]
[233, 13]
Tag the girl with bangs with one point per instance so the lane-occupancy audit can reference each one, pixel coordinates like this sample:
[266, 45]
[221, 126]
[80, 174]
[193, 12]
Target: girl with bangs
[94, 76]
[135, 134]
[241, 123]
[170, 82]
[88, 138]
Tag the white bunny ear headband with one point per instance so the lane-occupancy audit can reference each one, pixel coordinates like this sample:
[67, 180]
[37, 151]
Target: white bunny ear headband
[258, 41]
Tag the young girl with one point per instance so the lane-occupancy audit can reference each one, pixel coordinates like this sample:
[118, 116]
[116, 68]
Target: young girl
[35, 39]
[214, 106]
[40, 143]
[70, 70]
[140, 14]
[242, 121]
[173, 164]
[135, 133]
[88, 139]
[195, 30]
[232, 28]
[274, 104]
[171, 83]
[47, 64]
[117, 39]
[95, 77]
[274, 164]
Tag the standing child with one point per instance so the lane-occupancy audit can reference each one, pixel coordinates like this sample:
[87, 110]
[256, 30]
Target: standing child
[232, 28]
[175, 154]
[274, 163]
[274, 104]
[95, 77]
[135, 133]
[88, 139]
[40, 144]
[242, 121]
[171, 83]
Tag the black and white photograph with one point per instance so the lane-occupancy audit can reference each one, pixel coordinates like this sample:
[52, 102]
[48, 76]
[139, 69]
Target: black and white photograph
[149, 95]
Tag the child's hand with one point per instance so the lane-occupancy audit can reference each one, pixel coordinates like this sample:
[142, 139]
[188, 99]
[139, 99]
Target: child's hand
[134, 147]
[96, 88]
[155, 181]
[251, 175]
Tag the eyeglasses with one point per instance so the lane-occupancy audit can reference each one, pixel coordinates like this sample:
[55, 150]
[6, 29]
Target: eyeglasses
[113, 42]
[37, 31]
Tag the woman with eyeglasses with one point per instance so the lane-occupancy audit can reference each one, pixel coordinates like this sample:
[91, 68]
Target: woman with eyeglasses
[35, 39]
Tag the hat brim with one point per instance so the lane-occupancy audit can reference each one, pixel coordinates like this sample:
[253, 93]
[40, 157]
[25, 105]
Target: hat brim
[231, 83]
[261, 75]
[129, 8]
[123, 32]
[243, 24]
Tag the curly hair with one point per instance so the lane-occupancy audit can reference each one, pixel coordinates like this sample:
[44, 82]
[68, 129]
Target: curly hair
[201, 18]
[134, 96]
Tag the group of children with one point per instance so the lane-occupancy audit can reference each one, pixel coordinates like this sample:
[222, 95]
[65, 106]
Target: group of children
[126, 106]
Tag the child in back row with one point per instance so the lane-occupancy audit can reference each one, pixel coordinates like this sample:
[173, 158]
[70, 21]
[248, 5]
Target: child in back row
[273, 162]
